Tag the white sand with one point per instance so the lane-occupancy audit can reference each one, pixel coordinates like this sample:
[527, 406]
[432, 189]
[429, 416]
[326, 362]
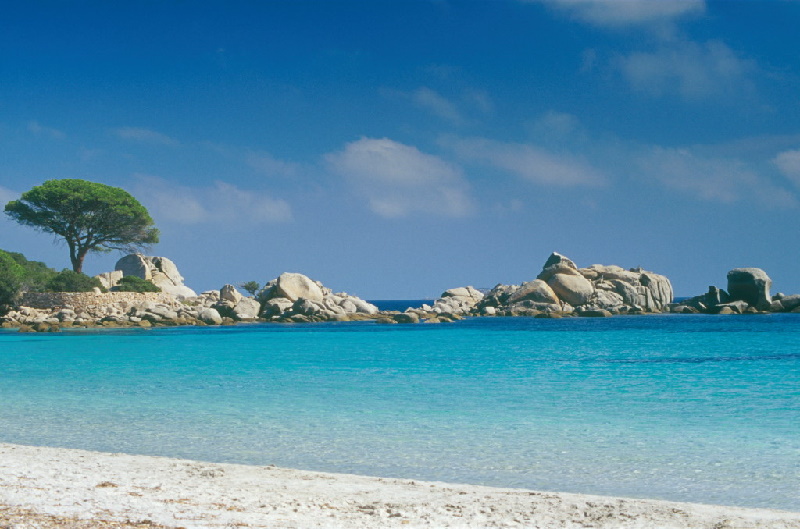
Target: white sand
[179, 493]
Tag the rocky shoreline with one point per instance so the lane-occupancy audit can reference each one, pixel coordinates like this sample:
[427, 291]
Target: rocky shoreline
[561, 289]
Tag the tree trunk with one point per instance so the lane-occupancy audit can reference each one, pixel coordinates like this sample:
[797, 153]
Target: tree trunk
[77, 255]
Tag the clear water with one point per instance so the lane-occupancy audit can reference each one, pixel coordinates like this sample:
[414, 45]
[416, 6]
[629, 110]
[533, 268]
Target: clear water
[689, 408]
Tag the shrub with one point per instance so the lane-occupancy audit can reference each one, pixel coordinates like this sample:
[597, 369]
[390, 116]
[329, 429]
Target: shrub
[37, 274]
[12, 277]
[69, 281]
[135, 284]
[251, 287]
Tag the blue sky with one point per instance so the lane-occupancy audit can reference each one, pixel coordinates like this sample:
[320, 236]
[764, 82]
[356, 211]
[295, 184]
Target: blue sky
[394, 149]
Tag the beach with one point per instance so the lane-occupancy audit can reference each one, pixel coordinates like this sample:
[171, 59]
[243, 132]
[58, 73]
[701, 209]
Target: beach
[55, 487]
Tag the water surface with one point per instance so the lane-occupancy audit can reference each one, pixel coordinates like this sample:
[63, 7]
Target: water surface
[689, 408]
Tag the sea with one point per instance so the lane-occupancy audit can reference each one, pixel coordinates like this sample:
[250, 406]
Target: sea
[695, 408]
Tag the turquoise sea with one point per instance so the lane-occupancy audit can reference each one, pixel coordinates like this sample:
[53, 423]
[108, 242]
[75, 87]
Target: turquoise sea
[690, 408]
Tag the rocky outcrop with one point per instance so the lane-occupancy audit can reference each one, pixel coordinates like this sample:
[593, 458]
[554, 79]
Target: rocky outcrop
[159, 270]
[457, 301]
[293, 297]
[562, 287]
[637, 288]
[748, 293]
[750, 285]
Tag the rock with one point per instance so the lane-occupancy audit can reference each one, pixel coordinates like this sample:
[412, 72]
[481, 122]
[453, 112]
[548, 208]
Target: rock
[247, 309]
[135, 265]
[464, 292]
[164, 312]
[536, 290]
[789, 303]
[110, 279]
[573, 289]
[557, 264]
[609, 299]
[406, 317]
[276, 306]
[363, 306]
[229, 293]
[457, 301]
[750, 285]
[168, 268]
[726, 310]
[295, 286]
[210, 316]
[161, 271]
[738, 307]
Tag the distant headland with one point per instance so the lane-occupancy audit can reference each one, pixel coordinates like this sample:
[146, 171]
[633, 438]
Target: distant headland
[561, 289]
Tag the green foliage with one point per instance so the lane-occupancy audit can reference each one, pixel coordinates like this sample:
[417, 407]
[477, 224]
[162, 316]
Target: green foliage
[251, 287]
[12, 276]
[69, 281]
[135, 284]
[37, 274]
[91, 217]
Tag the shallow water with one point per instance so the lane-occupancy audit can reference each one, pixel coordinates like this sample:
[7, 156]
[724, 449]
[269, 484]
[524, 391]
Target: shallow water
[689, 408]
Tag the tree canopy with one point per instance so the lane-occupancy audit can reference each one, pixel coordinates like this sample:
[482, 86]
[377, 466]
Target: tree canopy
[91, 217]
[12, 276]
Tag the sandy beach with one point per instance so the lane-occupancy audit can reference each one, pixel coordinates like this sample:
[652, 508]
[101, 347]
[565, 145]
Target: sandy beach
[51, 487]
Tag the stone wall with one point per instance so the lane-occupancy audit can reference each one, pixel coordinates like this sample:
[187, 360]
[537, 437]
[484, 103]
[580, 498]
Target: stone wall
[81, 300]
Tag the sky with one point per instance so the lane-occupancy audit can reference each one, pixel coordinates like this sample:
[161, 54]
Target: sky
[395, 149]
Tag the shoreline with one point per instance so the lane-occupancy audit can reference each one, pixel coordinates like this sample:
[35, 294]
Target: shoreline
[59, 487]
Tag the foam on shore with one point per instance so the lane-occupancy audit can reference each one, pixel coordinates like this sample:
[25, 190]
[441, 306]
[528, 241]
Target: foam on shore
[181, 493]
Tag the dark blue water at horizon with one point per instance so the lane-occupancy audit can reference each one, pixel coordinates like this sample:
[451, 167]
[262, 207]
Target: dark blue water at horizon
[400, 304]
[689, 408]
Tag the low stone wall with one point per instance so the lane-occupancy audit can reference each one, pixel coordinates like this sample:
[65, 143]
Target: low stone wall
[81, 300]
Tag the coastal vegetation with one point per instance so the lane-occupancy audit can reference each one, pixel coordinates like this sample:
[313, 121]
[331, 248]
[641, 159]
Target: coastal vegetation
[90, 217]
[251, 287]
[69, 281]
[135, 284]
[11, 278]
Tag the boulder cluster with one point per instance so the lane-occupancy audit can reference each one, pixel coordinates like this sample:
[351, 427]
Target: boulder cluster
[215, 307]
[160, 271]
[748, 292]
[296, 298]
[561, 288]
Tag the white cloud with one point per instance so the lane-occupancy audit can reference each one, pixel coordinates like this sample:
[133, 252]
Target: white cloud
[725, 180]
[480, 100]
[144, 136]
[789, 164]
[690, 69]
[271, 166]
[222, 203]
[621, 13]
[530, 162]
[558, 124]
[398, 179]
[40, 130]
[431, 100]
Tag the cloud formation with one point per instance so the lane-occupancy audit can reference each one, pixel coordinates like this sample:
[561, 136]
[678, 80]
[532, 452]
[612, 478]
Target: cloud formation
[398, 180]
[690, 69]
[36, 128]
[267, 164]
[788, 163]
[222, 203]
[143, 135]
[530, 162]
[431, 100]
[621, 13]
[725, 180]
